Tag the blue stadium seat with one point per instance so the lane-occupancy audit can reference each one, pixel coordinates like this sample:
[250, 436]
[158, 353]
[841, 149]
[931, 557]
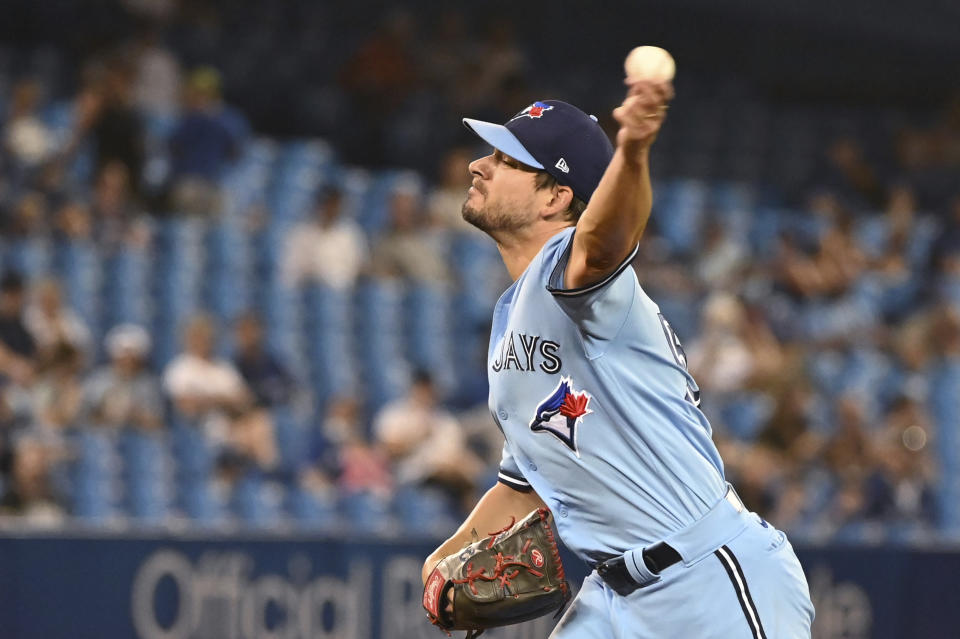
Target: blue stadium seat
[147, 499]
[292, 437]
[312, 511]
[193, 453]
[94, 486]
[31, 258]
[366, 513]
[126, 293]
[680, 210]
[745, 414]
[428, 330]
[143, 454]
[424, 511]
[257, 503]
[200, 503]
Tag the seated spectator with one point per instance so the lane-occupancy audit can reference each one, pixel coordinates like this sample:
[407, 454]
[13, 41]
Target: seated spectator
[719, 359]
[28, 218]
[721, 258]
[266, 377]
[156, 80]
[849, 451]
[72, 221]
[201, 146]
[327, 249]
[407, 250]
[901, 488]
[197, 381]
[425, 444]
[17, 347]
[52, 324]
[117, 220]
[360, 466]
[57, 393]
[30, 495]
[124, 393]
[26, 138]
[246, 443]
[105, 113]
[854, 173]
[446, 201]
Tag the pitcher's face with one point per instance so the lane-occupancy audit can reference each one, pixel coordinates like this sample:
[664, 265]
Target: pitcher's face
[503, 194]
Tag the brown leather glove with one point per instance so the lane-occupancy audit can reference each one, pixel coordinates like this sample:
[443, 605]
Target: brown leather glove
[513, 575]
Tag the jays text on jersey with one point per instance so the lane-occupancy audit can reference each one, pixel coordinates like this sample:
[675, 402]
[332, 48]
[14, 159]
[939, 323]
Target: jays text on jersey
[590, 389]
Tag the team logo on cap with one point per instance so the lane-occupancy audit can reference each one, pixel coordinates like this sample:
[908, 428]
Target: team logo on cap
[535, 110]
[561, 413]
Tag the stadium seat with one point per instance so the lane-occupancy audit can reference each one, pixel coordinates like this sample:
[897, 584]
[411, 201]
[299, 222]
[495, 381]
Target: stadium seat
[257, 503]
[366, 513]
[424, 511]
[313, 511]
[292, 437]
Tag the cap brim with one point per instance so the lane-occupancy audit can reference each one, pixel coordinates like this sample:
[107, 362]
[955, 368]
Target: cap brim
[500, 138]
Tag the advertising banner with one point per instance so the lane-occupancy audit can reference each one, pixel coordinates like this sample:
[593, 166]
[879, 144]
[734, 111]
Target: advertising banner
[272, 587]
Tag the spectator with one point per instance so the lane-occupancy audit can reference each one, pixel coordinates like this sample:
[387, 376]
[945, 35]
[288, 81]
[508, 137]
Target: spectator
[359, 465]
[17, 346]
[946, 247]
[30, 495]
[51, 324]
[124, 393]
[72, 221]
[720, 360]
[197, 381]
[425, 444]
[267, 378]
[901, 488]
[446, 201]
[407, 250]
[328, 249]
[201, 146]
[28, 219]
[156, 81]
[848, 452]
[57, 394]
[503, 59]
[721, 258]
[117, 219]
[248, 443]
[26, 138]
[854, 171]
[105, 112]
[378, 78]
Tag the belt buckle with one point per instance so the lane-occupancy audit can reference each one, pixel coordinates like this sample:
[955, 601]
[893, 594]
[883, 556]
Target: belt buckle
[614, 572]
[606, 566]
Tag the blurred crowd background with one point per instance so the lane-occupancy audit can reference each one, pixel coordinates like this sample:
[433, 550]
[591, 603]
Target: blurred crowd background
[236, 291]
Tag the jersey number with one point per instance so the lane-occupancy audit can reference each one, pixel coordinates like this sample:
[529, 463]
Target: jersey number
[693, 391]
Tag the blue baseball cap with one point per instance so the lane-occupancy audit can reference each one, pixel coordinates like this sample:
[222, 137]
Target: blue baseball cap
[556, 137]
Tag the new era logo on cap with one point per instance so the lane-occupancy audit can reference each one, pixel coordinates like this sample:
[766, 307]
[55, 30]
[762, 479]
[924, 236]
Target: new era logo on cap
[562, 165]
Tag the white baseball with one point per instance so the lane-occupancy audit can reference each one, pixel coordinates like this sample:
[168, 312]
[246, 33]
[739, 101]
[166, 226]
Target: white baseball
[649, 63]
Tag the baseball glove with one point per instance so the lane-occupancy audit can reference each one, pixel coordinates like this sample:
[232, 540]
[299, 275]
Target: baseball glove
[513, 575]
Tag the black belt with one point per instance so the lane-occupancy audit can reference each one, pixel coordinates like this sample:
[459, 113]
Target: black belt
[657, 557]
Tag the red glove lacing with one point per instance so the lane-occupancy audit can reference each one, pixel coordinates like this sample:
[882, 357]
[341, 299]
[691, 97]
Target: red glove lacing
[501, 570]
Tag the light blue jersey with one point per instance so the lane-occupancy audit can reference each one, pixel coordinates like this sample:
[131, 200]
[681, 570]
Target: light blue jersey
[600, 416]
[590, 389]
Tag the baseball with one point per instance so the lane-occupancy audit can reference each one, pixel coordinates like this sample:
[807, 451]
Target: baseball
[649, 63]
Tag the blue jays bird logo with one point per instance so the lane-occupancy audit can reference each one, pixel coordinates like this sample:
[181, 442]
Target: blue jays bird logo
[535, 110]
[561, 413]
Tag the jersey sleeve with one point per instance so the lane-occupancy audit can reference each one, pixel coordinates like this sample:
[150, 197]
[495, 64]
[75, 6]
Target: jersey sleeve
[510, 474]
[599, 309]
